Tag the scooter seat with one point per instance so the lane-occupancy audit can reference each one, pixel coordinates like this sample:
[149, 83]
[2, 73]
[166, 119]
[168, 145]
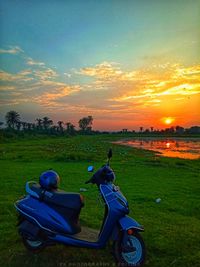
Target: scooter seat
[59, 197]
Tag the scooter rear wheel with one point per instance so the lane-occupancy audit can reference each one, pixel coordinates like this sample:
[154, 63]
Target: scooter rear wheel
[130, 259]
[33, 245]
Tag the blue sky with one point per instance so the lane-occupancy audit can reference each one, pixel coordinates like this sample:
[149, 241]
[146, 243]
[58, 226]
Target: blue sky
[68, 59]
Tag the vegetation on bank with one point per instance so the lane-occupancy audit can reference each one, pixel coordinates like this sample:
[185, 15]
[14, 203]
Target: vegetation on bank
[15, 127]
[172, 226]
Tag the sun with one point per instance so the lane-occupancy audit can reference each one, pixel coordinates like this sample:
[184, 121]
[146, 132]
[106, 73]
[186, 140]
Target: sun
[168, 120]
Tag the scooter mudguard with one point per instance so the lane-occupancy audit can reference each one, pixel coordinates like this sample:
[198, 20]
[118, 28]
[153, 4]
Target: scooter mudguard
[124, 224]
[127, 222]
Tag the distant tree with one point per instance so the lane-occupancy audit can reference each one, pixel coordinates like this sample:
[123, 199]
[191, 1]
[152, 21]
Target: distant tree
[60, 125]
[151, 129]
[141, 129]
[54, 130]
[194, 130]
[24, 125]
[39, 123]
[18, 125]
[47, 122]
[179, 130]
[12, 118]
[29, 125]
[124, 130]
[85, 124]
[33, 126]
[68, 124]
[169, 130]
[70, 128]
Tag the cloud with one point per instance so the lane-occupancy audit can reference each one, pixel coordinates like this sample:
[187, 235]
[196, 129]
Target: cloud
[33, 86]
[117, 93]
[156, 82]
[4, 88]
[32, 62]
[57, 91]
[105, 70]
[13, 50]
[45, 74]
[22, 76]
[68, 74]
[105, 90]
[28, 75]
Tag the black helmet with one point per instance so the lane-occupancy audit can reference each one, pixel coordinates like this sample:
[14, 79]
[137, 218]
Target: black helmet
[49, 180]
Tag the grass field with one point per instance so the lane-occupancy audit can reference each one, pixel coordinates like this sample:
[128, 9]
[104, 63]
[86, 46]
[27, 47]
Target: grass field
[172, 227]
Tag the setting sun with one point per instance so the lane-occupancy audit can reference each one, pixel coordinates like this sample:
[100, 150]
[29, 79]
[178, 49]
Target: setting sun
[168, 120]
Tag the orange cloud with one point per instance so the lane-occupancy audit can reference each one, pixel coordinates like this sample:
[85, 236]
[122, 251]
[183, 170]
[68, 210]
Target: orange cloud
[102, 71]
[22, 76]
[145, 94]
[185, 82]
[59, 90]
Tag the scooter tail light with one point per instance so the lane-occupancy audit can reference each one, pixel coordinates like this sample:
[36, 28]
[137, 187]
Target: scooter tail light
[82, 198]
[130, 231]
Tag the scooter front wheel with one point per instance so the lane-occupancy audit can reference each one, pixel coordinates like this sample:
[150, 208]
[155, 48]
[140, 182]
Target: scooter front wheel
[134, 255]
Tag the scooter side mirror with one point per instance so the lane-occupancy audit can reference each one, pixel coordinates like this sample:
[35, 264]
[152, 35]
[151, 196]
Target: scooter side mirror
[110, 153]
[90, 168]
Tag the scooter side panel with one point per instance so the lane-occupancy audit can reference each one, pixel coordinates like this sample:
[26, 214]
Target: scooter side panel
[115, 212]
[40, 213]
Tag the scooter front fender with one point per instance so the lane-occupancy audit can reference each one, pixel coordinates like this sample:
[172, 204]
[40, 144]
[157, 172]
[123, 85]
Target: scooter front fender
[124, 224]
[127, 222]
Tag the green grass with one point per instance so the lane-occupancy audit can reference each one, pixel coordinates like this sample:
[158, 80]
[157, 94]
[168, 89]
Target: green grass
[172, 227]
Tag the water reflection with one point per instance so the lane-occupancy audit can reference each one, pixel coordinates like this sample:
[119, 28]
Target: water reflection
[168, 145]
[181, 148]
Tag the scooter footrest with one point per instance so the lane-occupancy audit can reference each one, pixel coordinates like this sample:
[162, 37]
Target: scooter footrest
[87, 234]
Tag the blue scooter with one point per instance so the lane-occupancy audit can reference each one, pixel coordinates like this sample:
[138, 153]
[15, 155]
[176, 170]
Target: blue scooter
[51, 216]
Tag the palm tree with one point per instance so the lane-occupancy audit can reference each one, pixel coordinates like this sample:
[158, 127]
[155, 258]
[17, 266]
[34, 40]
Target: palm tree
[54, 129]
[141, 129]
[29, 125]
[39, 123]
[151, 129]
[70, 128]
[60, 125]
[18, 125]
[47, 122]
[12, 118]
[24, 124]
[33, 126]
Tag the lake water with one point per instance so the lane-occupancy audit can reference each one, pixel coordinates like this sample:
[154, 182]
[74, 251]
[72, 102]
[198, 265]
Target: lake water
[170, 147]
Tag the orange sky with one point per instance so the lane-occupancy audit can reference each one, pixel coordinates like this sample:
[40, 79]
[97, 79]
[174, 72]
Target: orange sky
[128, 65]
[116, 98]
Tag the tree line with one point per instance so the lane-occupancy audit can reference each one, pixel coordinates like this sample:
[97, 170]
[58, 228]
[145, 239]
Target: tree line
[46, 125]
[178, 130]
